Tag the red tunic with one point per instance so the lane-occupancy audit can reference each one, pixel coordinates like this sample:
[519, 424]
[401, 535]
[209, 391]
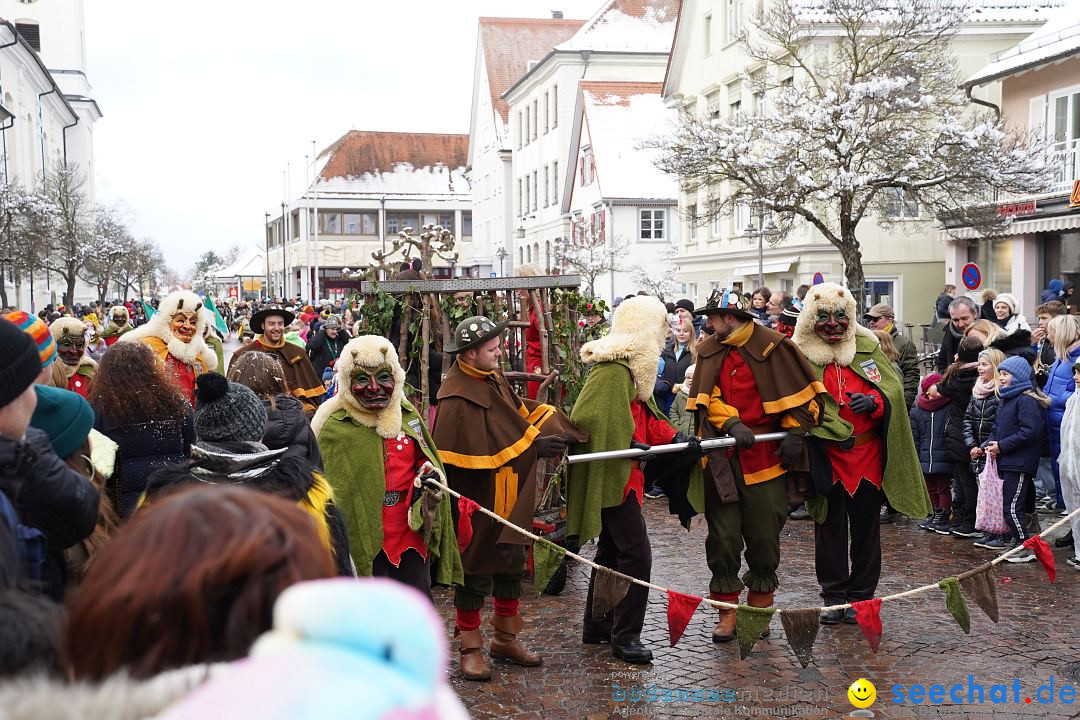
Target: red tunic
[402, 460]
[79, 384]
[759, 462]
[866, 459]
[650, 430]
[533, 357]
[184, 375]
[111, 339]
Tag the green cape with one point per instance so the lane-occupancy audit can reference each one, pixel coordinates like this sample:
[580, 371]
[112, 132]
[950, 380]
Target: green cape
[603, 408]
[903, 480]
[353, 461]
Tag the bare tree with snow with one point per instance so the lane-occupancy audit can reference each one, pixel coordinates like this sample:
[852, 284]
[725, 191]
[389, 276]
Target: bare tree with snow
[589, 254]
[863, 113]
[654, 271]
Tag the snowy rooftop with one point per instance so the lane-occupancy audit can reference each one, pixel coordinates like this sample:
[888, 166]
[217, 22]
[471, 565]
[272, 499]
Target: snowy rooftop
[1058, 38]
[634, 25]
[395, 163]
[983, 11]
[510, 44]
[620, 116]
[250, 263]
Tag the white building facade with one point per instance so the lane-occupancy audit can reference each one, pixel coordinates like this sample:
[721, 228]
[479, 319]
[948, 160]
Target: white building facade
[614, 194]
[505, 47]
[48, 111]
[626, 40]
[371, 185]
[905, 265]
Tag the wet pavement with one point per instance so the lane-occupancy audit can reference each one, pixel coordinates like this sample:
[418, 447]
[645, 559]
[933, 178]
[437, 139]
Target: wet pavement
[1036, 640]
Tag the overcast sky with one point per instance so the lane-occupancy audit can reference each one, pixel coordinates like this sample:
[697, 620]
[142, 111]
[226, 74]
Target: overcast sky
[205, 102]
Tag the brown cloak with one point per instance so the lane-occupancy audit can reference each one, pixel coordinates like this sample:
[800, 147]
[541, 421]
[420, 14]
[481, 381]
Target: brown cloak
[485, 435]
[299, 372]
[784, 380]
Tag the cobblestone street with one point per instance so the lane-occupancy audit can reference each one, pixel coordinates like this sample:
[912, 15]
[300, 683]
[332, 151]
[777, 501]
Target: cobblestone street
[1036, 640]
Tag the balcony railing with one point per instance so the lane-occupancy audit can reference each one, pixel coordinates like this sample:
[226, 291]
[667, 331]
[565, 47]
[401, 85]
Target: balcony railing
[1068, 169]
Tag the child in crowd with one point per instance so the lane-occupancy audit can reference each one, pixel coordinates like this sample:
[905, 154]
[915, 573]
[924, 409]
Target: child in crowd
[1015, 442]
[979, 426]
[928, 419]
[1069, 468]
[680, 418]
[956, 384]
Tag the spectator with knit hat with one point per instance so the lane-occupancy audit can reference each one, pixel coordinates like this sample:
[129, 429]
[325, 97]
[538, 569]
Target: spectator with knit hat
[38, 330]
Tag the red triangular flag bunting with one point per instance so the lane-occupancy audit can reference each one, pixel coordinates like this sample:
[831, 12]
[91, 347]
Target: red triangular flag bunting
[868, 613]
[680, 608]
[466, 508]
[1043, 554]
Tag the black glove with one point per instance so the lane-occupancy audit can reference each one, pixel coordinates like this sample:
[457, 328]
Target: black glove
[790, 451]
[693, 444]
[642, 459]
[861, 404]
[847, 444]
[426, 478]
[744, 436]
[550, 446]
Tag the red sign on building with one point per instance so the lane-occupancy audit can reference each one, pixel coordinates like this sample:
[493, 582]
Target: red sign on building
[1016, 208]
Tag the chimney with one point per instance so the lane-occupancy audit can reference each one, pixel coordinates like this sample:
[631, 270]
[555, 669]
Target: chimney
[556, 15]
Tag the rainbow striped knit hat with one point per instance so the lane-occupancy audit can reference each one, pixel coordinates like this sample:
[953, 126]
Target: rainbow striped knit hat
[36, 328]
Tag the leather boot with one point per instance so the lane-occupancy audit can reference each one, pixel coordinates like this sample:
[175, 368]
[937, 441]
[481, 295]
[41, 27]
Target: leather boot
[505, 644]
[760, 600]
[725, 629]
[471, 645]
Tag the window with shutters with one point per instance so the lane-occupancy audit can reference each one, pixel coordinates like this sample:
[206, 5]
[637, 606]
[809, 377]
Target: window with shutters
[31, 33]
[588, 167]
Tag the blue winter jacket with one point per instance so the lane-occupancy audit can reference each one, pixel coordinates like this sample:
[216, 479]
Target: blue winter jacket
[1019, 432]
[1059, 386]
[928, 429]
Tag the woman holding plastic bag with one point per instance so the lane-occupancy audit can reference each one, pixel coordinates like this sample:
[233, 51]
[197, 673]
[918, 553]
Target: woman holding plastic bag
[979, 422]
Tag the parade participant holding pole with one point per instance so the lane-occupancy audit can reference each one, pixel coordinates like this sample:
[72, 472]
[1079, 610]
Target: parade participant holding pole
[616, 406]
[489, 440]
[374, 447]
[175, 334]
[119, 323]
[866, 448]
[75, 369]
[749, 380]
[269, 325]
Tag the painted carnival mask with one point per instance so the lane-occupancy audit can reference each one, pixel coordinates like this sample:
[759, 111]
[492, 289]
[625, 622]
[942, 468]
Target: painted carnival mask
[831, 326]
[183, 325]
[373, 388]
[70, 348]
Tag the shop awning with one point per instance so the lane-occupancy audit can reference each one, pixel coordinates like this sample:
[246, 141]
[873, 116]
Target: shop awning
[770, 266]
[1070, 221]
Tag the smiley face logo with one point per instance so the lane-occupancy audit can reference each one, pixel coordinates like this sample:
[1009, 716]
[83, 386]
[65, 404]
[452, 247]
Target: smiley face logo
[862, 693]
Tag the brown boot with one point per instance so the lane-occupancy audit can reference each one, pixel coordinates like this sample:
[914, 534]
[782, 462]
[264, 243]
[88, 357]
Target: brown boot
[473, 666]
[760, 600]
[505, 644]
[725, 629]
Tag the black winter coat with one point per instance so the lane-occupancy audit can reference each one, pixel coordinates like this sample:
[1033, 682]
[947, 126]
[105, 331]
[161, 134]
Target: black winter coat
[322, 350]
[144, 448]
[673, 374]
[950, 344]
[958, 390]
[979, 419]
[48, 496]
[274, 472]
[928, 431]
[287, 427]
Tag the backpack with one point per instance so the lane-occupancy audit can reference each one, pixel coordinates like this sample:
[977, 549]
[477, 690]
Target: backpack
[29, 542]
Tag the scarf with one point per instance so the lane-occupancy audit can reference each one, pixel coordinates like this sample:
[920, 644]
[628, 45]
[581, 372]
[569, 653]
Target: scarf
[740, 336]
[261, 339]
[983, 388]
[930, 404]
[1018, 386]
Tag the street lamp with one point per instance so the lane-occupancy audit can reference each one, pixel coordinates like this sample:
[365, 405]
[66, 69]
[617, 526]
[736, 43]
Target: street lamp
[266, 245]
[769, 229]
[501, 254]
[283, 270]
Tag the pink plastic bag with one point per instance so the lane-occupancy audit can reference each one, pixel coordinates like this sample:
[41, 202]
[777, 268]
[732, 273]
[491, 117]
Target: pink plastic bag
[989, 515]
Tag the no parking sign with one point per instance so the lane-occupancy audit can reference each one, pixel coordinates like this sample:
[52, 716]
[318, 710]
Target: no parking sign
[971, 276]
[818, 279]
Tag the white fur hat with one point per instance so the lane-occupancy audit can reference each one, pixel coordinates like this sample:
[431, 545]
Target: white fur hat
[67, 326]
[1008, 300]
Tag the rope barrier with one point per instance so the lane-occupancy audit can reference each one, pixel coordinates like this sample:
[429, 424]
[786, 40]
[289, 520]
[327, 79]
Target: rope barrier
[718, 603]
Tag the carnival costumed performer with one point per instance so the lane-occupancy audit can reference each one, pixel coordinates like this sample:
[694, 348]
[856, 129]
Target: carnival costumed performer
[749, 380]
[489, 440]
[76, 368]
[175, 334]
[269, 325]
[119, 323]
[374, 446]
[616, 407]
[862, 448]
